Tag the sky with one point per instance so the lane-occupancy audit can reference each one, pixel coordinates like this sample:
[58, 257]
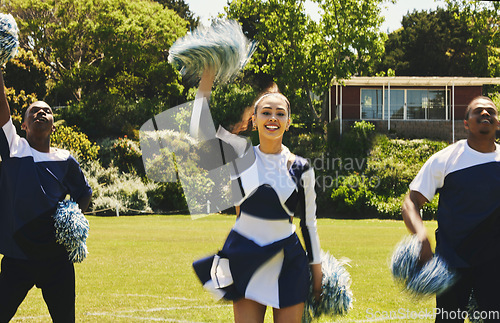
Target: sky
[207, 9]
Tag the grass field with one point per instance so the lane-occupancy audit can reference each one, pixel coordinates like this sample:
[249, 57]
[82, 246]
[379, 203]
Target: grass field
[139, 270]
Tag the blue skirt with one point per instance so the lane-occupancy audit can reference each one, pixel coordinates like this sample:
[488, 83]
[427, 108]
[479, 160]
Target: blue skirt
[275, 275]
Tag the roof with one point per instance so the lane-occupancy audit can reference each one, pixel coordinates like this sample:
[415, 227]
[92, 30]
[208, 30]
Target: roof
[419, 81]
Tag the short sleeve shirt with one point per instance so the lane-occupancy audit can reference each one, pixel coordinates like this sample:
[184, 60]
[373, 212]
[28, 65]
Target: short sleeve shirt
[31, 185]
[469, 202]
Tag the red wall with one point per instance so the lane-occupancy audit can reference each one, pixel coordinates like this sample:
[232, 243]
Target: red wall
[463, 95]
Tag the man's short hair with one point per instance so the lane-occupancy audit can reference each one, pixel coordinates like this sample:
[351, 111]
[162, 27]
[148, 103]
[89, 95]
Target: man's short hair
[35, 104]
[469, 107]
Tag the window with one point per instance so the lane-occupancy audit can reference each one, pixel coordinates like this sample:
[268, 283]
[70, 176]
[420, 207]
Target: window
[408, 104]
[397, 104]
[371, 102]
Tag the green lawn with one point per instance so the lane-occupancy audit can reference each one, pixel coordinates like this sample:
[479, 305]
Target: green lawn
[139, 270]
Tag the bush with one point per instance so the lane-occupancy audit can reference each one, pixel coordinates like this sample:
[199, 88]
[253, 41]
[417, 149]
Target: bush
[77, 142]
[18, 104]
[168, 198]
[127, 156]
[308, 145]
[358, 141]
[380, 189]
[115, 190]
[353, 194]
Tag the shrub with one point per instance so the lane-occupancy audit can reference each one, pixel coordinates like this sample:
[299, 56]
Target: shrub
[352, 194]
[308, 145]
[115, 190]
[77, 142]
[127, 155]
[355, 143]
[18, 104]
[168, 198]
[391, 166]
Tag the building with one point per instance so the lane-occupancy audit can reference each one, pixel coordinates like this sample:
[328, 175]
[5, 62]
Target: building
[413, 107]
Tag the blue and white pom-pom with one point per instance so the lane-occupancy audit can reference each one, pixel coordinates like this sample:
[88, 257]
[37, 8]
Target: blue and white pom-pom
[222, 47]
[72, 230]
[9, 41]
[432, 278]
[336, 297]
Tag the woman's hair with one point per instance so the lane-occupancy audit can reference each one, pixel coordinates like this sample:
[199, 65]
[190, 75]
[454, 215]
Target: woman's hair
[272, 89]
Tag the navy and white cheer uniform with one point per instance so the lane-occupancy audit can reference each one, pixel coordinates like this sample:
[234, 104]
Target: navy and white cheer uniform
[262, 258]
[31, 185]
[468, 216]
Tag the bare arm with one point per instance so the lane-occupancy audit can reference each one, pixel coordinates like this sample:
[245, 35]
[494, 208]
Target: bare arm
[317, 277]
[412, 204]
[206, 83]
[84, 202]
[4, 105]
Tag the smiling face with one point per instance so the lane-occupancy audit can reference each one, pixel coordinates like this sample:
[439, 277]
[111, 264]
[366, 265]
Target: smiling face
[271, 118]
[482, 118]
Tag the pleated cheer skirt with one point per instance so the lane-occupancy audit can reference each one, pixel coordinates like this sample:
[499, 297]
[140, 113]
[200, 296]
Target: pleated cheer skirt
[275, 275]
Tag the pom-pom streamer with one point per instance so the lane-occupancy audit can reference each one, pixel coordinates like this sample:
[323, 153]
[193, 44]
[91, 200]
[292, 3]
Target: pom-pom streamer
[72, 229]
[434, 277]
[222, 47]
[9, 41]
[336, 296]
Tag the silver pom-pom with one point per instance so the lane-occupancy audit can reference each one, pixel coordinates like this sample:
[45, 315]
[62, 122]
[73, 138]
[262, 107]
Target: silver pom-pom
[9, 41]
[434, 277]
[72, 230]
[222, 47]
[336, 297]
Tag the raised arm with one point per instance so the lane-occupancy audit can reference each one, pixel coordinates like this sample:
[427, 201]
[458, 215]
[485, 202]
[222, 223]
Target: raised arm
[4, 105]
[412, 204]
[206, 83]
[204, 90]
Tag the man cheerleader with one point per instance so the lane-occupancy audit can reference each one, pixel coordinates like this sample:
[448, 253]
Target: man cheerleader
[34, 178]
[467, 177]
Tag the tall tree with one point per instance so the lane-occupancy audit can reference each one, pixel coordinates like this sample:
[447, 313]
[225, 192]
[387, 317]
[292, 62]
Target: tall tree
[182, 9]
[462, 40]
[25, 73]
[112, 46]
[483, 20]
[304, 56]
[349, 43]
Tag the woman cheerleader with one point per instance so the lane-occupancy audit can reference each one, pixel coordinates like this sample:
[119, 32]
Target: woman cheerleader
[262, 262]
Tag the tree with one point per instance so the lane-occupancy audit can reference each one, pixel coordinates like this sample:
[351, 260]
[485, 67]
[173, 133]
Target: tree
[483, 20]
[111, 46]
[182, 9]
[350, 42]
[25, 80]
[304, 57]
[462, 40]
[25, 73]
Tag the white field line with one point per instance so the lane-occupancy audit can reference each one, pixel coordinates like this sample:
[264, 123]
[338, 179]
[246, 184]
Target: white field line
[157, 296]
[160, 309]
[149, 319]
[19, 318]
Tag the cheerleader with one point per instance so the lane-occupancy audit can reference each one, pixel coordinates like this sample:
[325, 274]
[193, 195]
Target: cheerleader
[262, 262]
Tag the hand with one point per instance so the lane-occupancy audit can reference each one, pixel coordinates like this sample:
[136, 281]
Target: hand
[426, 252]
[317, 295]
